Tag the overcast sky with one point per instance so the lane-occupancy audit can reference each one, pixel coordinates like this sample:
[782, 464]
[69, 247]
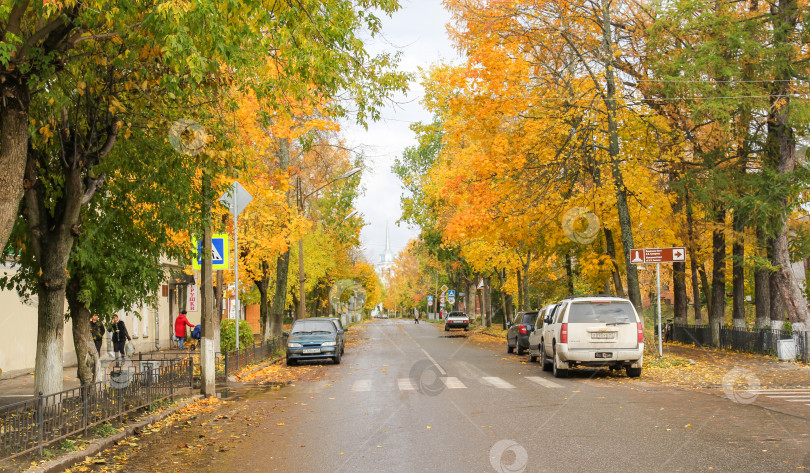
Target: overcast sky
[418, 31]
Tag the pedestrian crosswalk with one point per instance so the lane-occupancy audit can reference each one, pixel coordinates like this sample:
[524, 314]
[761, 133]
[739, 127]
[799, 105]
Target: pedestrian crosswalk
[786, 395]
[450, 382]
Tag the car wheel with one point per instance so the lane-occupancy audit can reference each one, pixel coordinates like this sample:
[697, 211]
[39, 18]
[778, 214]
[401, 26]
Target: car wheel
[532, 356]
[633, 372]
[558, 372]
[446, 328]
[544, 358]
[336, 359]
[509, 348]
[519, 349]
[290, 362]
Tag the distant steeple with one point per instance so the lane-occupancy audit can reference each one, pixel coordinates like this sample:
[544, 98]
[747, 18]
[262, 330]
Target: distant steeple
[387, 240]
[387, 256]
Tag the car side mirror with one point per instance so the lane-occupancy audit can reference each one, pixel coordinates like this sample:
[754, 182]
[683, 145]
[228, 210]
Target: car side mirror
[345, 329]
[508, 324]
[286, 334]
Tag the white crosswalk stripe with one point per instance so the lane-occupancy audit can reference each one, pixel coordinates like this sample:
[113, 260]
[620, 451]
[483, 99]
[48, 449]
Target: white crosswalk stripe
[453, 383]
[362, 385]
[497, 382]
[546, 383]
[405, 384]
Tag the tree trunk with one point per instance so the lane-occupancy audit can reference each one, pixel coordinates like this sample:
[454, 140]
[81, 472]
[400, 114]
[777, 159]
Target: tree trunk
[88, 363]
[707, 290]
[781, 151]
[622, 206]
[520, 290]
[693, 260]
[263, 285]
[207, 349]
[610, 248]
[14, 103]
[569, 273]
[738, 273]
[487, 292]
[679, 292]
[718, 301]
[280, 296]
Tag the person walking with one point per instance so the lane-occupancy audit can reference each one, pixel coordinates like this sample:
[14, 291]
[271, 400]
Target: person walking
[97, 331]
[416, 316]
[120, 337]
[180, 327]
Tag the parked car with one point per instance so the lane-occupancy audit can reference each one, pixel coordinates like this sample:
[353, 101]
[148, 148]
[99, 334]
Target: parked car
[593, 331]
[536, 335]
[313, 339]
[341, 333]
[517, 336]
[456, 319]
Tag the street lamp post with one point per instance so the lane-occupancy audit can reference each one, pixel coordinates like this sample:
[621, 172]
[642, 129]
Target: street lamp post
[300, 313]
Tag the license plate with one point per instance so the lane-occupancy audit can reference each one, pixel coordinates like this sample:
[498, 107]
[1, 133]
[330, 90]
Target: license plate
[603, 335]
[312, 350]
[603, 355]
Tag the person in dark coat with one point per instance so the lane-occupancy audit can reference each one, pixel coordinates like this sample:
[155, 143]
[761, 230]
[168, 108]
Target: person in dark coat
[97, 332]
[120, 336]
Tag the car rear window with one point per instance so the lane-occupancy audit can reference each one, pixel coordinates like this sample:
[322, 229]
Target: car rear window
[304, 326]
[608, 312]
[529, 318]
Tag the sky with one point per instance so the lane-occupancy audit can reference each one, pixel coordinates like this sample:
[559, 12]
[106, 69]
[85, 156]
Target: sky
[418, 31]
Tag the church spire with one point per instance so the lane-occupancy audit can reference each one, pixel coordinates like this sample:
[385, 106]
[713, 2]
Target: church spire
[387, 240]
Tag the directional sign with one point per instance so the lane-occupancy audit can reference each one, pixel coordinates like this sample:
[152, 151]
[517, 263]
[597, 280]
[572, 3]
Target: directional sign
[220, 252]
[444, 288]
[658, 255]
[451, 293]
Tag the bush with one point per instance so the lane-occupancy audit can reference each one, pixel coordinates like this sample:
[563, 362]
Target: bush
[227, 335]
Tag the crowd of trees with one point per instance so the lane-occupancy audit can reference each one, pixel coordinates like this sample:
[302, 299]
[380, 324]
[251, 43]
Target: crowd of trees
[574, 131]
[121, 124]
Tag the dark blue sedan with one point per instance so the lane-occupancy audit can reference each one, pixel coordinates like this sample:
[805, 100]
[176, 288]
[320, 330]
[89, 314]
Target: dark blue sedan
[313, 339]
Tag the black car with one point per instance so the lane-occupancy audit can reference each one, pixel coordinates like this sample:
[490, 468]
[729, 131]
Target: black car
[517, 337]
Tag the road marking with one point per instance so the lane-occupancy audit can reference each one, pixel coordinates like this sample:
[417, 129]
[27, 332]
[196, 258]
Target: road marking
[441, 370]
[362, 385]
[787, 396]
[405, 384]
[453, 383]
[796, 400]
[543, 382]
[497, 382]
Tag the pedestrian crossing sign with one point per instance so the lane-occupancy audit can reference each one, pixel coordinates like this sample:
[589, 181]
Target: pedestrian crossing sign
[220, 252]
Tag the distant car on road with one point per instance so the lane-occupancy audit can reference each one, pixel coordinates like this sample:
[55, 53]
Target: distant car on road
[313, 339]
[593, 331]
[517, 336]
[456, 319]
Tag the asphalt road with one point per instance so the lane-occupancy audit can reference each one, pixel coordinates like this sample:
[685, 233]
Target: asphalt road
[413, 398]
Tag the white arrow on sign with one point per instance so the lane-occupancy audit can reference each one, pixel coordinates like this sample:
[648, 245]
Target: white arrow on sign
[678, 254]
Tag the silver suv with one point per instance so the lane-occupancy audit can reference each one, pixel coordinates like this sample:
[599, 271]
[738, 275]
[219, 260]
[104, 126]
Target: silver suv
[592, 331]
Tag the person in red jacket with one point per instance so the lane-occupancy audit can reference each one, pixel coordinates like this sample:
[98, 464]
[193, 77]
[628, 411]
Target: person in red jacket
[180, 327]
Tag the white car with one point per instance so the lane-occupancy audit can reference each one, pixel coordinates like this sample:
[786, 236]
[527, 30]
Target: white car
[592, 331]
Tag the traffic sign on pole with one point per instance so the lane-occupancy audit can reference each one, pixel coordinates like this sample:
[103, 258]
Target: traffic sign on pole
[658, 255]
[220, 252]
[441, 299]
[451, 300]
[451, 293]
[444, 288]
[430, 300]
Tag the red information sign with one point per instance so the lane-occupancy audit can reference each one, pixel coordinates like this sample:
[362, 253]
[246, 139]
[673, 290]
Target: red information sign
[658, 255]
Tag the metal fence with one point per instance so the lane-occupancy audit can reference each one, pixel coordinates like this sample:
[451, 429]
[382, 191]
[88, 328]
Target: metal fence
[30, 425]
[742, 339]
[233, 361]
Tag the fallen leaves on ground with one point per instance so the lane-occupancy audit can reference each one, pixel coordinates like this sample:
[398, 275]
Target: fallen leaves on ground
[275, 373]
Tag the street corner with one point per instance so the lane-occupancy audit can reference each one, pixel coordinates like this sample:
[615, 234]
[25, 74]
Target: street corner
[508, 456]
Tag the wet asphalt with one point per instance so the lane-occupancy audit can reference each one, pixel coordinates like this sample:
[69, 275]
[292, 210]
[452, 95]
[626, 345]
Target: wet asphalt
[414, 398]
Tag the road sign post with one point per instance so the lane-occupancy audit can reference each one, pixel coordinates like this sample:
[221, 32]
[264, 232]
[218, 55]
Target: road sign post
[236, 199]
[658, 256]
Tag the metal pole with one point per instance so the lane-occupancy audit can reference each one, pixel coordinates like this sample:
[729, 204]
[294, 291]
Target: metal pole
[658, 282]
[236, 262]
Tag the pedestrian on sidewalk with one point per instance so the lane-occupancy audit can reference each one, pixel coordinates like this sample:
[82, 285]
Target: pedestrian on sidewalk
[180, 327]
[416, 316]
[120, 337]
[97, 331]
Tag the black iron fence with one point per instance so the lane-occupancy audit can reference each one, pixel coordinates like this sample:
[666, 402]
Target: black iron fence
[30, 425]
[763, 341]
[233, 361]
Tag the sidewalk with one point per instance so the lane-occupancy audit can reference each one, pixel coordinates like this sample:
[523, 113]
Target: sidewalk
[21, 388]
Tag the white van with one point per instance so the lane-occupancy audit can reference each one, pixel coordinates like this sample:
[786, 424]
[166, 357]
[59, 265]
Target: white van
[592, 331]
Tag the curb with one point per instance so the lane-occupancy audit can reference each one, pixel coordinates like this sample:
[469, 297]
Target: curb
[71, 459]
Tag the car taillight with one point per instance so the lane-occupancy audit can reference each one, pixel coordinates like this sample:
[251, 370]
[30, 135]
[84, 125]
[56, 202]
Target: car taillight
[523, 330]
[640, 333]
[564, 333]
